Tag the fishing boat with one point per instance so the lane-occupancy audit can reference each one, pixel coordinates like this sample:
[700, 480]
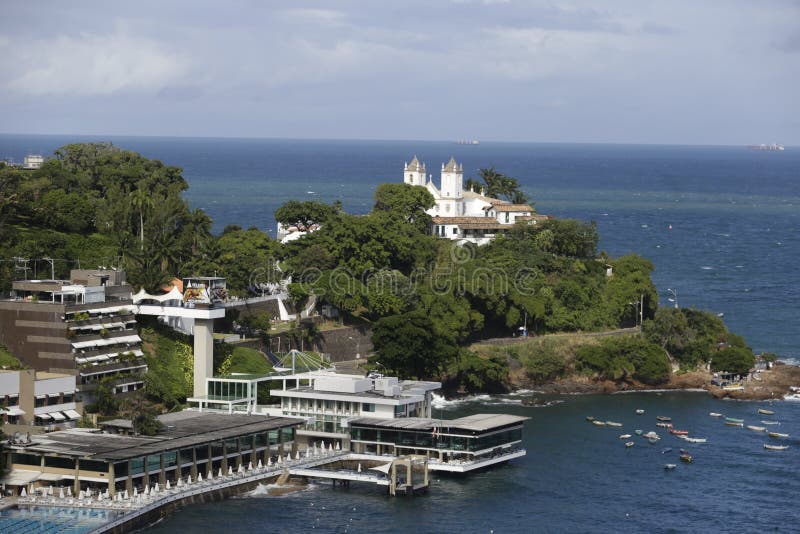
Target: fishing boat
[650, 434]
[665, 451]
[612, 423]
[715, 414]
[695, 440]
[678, 432]
[770, 422]
[686, 457]
[663, 418]
[734, 420]
[664, 425]
[778, 435]
[639, 412]
[629, 444]
[637, 432]
[734, 423]
[625, 436]
[776, 447]
[669, 467]
[589, 418]
[765, 412]
[598, 423]
[756, 428]
[653, 440]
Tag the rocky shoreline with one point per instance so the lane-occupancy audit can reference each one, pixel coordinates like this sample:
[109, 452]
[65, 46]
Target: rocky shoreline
[773, 384]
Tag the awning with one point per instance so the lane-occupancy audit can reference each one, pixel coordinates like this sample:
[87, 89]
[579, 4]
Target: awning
[382, 468]
[20, 477]
[52, 477]
[45, 416]
[58, 416]
[72, 414]
[102, 342]
[14, 411]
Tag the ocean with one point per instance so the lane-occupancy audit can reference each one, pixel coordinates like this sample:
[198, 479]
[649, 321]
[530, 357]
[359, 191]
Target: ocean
[720, 224]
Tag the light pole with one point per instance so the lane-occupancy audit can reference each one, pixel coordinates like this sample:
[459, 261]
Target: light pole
[674, 298]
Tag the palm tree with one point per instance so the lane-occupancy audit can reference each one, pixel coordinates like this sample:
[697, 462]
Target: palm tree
[199, 226]
[141, 200]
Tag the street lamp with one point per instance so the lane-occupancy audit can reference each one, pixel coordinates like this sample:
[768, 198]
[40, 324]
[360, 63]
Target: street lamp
[639, 307]
[674, 295]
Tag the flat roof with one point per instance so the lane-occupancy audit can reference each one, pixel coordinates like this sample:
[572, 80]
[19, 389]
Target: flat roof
[481, 422]
[181, 429]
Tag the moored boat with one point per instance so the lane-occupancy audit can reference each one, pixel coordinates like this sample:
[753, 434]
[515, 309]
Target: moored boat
[776, 447]
[663, 418]
[765, 412]
[598, 423]
[678, 432]
[664, 425]
[629, 444]
[734, 420]
[715, 414]
[637, 432]
[589, 418]
[778, 435]
[734, 423]
[695, 440]
[670, 466]
[756, 428]
[625, 436]
[653, 440]
[613, 423]
[639, 412]
[686, 457]
[770, 422]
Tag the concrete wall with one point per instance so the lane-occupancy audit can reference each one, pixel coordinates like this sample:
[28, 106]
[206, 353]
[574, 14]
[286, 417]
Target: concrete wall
[36, 334]
[344, 344]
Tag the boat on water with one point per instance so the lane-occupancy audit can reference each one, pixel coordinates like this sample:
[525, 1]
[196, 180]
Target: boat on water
[589, 418]
[665, 451]
[664, 425]
[734, 423]
[776, 447]
[686, 458]
[639, 412]
[733, 420]
[695, 440]
[598, 423]
[629, 444]
[778, 435]
[756, 428]
[770, 422]
[637, 432]
[677, 432]
[625, 436]
[613, 423]
[774, 147]
[669, 467]
[650, 434]
[663, 418]
[765, 412]
[715, 414]
[653, 440]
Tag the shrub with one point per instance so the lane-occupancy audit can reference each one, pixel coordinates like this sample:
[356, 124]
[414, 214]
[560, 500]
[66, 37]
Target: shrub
[735, 360]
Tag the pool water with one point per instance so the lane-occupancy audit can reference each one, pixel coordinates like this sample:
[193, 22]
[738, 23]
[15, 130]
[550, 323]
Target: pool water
[50, 519]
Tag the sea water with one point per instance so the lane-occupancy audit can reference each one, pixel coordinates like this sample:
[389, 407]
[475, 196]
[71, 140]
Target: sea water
[722, 228]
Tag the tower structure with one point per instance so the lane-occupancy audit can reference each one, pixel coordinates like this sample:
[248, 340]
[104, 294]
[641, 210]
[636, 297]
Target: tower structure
[414, 172]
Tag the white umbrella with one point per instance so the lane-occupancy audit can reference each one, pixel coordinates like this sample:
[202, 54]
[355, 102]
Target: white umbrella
[180, 483]
[219, 474]
[69, 491]
[211, 475]
[135, 491]
[297, 455]
[147, 490]
[359, 467]
[107, 495]
[338, 446]
[200, 477]
[269, 461]
[61, 492]
[50, 490]
[23, 493]
[80, 495]
[125, 494]
[280, 459]
[230, 470]
[288, 457]
[168, 485]
[99, 497]
[241, 469]
[260, 465]
[250, 466]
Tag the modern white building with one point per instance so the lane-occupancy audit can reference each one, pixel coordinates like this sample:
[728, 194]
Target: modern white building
[28, 397]
[465, 215]
[32, 161]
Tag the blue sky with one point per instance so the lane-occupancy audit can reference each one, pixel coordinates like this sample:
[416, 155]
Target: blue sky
[717, 72]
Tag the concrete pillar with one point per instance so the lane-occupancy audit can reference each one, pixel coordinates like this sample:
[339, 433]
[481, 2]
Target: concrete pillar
[193, 471]
[209, 463]
[77, 484]
[162, 475]
[203, 354]
[129, 482]
[112, 489]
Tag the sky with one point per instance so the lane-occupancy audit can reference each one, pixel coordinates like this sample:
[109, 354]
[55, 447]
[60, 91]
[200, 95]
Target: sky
[677, 72]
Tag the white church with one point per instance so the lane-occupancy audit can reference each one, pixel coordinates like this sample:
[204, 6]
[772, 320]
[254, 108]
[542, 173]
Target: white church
[465, 216]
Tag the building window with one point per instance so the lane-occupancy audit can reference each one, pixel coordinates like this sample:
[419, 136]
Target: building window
[507, 215]
[367, 407]
[455, 230]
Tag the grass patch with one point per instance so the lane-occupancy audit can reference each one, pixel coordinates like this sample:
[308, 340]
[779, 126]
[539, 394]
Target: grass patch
[8, 361]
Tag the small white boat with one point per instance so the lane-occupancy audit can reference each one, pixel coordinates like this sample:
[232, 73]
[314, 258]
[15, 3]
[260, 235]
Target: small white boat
[639, 412]
[664, 425]
[670, 466]
[776, 447]
[598, 423]
[625, 436]
[651, 434]
[765, 412]
[778, 435]
[612, 423]
[715, 414]
[695, 440]
[770, 422]
[756, 428]
[629, 444]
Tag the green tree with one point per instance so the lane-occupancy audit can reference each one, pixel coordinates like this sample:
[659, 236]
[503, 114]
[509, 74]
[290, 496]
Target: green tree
[406, 202]
[736, 360]
[405, 344]
[303, 215]
[141, 200]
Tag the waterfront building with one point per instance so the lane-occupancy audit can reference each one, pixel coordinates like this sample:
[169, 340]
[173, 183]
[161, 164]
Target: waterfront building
[29, 397]
[465, 216]
[32, 162]
[455, 445]
[84, 327]
[189, 443]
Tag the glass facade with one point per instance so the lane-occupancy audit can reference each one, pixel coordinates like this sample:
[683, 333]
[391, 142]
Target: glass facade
[425, 439]
[218, 390]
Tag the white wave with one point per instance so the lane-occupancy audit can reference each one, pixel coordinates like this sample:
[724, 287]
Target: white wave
[791, 361]
[519, 392]
[277, 490]
[707, 268]
[792, 397]
[498, 401]
[438, 401]
[690, 390]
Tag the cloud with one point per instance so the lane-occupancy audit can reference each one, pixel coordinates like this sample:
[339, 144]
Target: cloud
[90, 64]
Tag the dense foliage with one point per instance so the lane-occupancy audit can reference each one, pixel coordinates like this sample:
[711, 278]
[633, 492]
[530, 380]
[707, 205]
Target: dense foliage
[625, 357]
